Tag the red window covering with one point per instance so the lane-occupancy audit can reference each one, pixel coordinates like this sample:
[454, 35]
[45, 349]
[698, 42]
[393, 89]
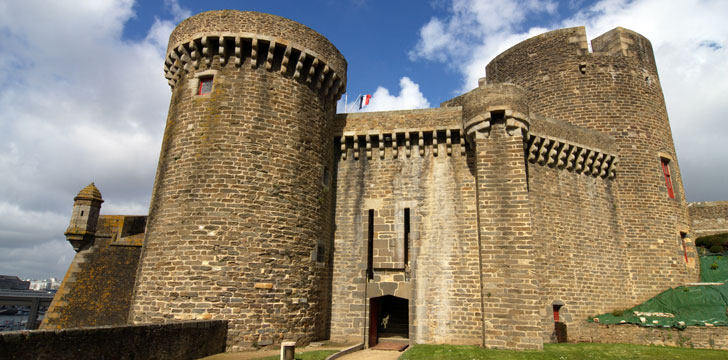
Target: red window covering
[668, 179]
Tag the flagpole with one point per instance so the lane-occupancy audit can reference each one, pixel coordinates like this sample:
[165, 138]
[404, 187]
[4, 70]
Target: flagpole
[352, 107]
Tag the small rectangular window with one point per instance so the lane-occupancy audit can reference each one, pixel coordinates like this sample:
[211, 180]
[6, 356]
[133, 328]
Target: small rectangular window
[668, 178]
[205, 85]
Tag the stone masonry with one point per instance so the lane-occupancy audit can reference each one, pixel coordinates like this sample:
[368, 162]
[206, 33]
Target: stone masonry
[550, 192]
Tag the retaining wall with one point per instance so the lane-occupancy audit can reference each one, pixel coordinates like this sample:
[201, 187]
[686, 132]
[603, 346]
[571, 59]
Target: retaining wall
[182, 340]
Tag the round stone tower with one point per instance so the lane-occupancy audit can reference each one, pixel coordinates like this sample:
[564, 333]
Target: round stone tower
[615, 90]
[240, 223]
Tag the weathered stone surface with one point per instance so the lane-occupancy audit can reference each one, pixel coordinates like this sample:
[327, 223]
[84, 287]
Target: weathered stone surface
[708, 217]
[542, 187]
[240, 196]
[181, 340]
[98, 286]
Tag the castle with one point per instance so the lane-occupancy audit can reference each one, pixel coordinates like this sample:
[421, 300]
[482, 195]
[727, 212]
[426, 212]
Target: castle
[549, 193]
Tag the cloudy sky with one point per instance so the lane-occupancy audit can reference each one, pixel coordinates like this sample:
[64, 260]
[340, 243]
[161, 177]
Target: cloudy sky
[83, 97]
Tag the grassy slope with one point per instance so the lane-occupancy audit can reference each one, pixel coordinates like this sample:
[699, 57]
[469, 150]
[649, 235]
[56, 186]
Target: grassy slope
[564, 352]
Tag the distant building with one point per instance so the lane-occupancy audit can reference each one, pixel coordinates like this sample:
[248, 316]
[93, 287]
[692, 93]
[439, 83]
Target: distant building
[45, 284]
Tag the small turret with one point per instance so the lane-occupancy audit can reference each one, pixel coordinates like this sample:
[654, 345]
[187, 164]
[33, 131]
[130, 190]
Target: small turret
[82, 228]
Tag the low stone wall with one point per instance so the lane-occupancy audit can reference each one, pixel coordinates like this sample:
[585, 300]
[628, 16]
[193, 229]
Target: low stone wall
[180, 340]
[693, 336]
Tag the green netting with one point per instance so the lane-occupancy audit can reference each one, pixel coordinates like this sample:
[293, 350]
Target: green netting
[685, 305]
[714, 268]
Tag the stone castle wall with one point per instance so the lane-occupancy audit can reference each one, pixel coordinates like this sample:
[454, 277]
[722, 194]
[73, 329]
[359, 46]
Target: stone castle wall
[182, 340]
[616, 91]
[98, 286]
[240, 208]
[541, 187]
[708, 217]
[389, 162]
[577, 231]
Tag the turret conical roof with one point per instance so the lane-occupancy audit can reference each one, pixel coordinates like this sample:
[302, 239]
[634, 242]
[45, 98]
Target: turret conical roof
[90, 192]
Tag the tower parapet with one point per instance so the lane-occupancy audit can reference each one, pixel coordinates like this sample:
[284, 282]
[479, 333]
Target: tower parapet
[258, 40]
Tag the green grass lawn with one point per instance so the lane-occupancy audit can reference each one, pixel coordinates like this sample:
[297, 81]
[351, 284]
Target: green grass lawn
[308, 355]
[563, 352]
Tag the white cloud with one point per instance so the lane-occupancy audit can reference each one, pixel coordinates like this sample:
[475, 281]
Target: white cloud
[475, 32]
[692, 60]
[178, 12]
[409, 97]
[32, 242]
[80, 104]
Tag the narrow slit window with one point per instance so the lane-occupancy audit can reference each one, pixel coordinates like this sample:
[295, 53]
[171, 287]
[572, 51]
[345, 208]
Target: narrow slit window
[370, 246]
[685, 249]
[668, 178]
[205, 85]
[406, 235]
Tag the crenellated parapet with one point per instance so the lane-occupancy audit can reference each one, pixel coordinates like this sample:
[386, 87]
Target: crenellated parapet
[562, 154]
[402, 143]
[254, 40]
[253, 51]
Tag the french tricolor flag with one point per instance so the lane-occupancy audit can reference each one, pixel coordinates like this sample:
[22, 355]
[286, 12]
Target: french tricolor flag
[364, 100]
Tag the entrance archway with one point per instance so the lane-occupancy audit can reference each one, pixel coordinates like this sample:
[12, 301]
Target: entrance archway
[388, 319]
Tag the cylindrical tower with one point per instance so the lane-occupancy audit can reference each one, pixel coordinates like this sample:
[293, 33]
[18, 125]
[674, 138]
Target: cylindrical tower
[615, 90]
[240, 219]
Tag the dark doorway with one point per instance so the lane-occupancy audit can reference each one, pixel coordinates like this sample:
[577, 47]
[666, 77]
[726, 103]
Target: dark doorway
[559, 326]
[388, 319]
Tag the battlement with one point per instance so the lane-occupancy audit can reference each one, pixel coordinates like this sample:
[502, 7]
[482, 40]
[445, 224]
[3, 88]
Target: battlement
[625, 42]
[570, 44]
[257, 40]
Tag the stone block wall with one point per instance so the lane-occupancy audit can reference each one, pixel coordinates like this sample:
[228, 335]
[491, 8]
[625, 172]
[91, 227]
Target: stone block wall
[708, 217]
[98, 286]
[414, 167]
[615, 91]
[510, 282]
[576, 227]
[182, 340]
[693, 336]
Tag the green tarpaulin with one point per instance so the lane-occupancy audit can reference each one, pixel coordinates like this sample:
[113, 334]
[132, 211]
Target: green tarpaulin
[701, 305]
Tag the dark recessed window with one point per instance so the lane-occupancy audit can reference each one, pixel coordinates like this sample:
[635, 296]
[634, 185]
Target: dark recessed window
[205, 86]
